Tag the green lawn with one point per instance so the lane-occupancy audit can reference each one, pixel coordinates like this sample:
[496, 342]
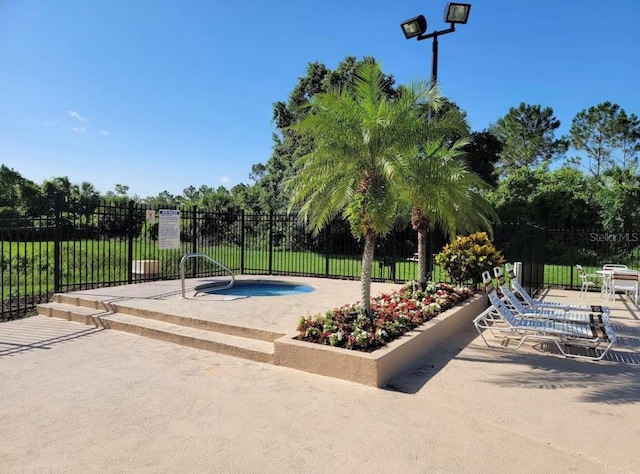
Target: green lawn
[27, 268]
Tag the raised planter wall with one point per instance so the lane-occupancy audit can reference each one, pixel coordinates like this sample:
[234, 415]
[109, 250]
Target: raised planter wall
[378, 367]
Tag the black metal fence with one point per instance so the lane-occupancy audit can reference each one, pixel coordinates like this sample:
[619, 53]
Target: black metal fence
[525, 244]
[88, 245]
[589, 248]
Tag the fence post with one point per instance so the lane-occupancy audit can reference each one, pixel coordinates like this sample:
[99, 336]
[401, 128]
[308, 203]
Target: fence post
[242, 242]
[194, 238]
[271, 242]
[57, 270]
[571, 277]
[130, 228]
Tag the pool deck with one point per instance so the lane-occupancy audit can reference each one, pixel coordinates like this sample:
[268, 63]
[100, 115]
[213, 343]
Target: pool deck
[83, 399]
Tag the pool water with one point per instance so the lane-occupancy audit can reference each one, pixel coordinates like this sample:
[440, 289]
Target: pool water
[262, 289]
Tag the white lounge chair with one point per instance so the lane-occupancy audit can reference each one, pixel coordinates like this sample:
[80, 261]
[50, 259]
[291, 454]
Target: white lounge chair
[499, 319]
[522, 302]
[557, 314]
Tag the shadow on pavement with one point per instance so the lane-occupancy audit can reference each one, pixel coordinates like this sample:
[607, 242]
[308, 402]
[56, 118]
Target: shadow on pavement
[615, 380]
[39, 332]
[416, 375]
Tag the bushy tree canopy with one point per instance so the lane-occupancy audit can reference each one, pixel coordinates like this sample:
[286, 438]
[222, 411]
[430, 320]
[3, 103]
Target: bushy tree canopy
[288, 146]
[527, 134]
[607, 136]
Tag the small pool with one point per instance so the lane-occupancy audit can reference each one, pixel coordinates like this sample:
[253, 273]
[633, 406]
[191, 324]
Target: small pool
[259, 288]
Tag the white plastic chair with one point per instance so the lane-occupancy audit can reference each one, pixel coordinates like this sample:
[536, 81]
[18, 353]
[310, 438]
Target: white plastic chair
[607, 268]
[586, 283]
[627, 281]
[611, 266]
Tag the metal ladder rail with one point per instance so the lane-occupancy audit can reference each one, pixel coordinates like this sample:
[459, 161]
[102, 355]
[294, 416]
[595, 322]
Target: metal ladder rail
[196, 255]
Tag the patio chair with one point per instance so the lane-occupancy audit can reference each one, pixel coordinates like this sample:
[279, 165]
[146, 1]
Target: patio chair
[579, 314]
[586, 283]
[626, 281]
[613, 266]
[501, 322]
[607, 268]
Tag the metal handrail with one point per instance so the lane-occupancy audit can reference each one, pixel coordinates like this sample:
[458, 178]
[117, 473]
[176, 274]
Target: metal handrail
[195, 255]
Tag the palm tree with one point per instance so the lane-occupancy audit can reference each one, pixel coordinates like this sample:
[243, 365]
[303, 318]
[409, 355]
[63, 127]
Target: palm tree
[358, 136]
[439, 186]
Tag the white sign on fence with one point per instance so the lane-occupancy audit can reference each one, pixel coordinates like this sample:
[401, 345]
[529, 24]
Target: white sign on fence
[169, 229]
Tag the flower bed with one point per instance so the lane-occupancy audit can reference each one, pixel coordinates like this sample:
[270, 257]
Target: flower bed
[393, 315]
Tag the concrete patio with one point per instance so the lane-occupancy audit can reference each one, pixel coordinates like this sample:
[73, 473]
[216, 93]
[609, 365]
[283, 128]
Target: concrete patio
[81, 399]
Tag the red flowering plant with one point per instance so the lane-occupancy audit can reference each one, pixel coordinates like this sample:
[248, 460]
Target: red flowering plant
[393, 315]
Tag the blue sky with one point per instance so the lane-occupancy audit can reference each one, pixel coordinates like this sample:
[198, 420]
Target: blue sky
[160, 95]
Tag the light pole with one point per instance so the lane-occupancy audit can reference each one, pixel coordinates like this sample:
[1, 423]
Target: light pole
[454, 13]
[416, 27]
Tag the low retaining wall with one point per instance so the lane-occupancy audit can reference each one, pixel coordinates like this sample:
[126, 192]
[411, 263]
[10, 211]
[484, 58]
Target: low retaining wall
[378, 367]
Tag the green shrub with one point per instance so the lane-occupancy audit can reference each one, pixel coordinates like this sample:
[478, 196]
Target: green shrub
[468, 256]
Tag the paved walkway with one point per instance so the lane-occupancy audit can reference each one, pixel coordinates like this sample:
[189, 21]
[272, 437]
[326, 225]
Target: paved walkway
[81, 399]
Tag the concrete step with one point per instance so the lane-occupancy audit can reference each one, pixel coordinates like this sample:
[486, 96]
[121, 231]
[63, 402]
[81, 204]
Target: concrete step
[93, 302]
[71, 312]
[197, 323]
[244, 347]
[252, 349]
[98, 304]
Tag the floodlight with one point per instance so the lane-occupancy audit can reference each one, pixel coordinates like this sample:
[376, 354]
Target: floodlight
[457, 12]
[454, 13]
[414, 27]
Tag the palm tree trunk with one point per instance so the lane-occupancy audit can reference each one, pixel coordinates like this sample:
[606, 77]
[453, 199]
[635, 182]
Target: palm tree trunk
[421, 224]
[365, 279]
[422, 257]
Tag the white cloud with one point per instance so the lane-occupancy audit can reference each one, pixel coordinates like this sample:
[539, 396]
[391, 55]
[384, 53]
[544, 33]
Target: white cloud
[225, 180]
[78, 129]
[76, 115]
[106, 133]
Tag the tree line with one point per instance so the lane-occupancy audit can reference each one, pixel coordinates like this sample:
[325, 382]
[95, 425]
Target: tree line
[352, 146]
[585, 179]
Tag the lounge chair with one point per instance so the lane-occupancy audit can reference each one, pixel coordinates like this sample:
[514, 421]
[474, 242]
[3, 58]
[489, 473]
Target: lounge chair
[526, 304]
[502, 322]
[513, 303]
